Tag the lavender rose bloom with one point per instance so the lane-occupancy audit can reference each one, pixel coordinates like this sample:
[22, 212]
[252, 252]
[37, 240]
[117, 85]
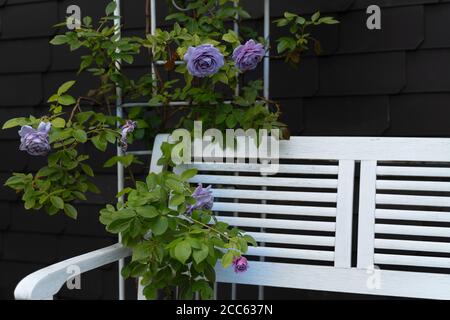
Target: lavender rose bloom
[248, 55]
[126, 129]
[203, 60]
[240, 264]
[35, 142]
[204, 199]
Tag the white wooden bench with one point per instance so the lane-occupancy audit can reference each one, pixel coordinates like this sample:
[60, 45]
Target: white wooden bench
[307, 215]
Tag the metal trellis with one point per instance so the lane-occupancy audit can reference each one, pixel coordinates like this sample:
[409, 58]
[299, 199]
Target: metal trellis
[120, 106]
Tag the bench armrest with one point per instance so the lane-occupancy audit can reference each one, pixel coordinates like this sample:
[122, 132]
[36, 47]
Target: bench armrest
[46, 282]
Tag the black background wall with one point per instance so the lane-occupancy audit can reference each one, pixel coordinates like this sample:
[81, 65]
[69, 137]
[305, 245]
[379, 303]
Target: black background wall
[390, 82]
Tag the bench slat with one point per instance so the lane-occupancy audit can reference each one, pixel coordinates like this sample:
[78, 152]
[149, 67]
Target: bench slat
[412, 230]
[292, 239]
[414, 215]
[265, 181]
[428, 246]
[413, 171]
[274, 209]
[419, 261]
[291, 253]
[275, 195]
[279, 224]
[400, 199]
[413, 185]
[249, 167]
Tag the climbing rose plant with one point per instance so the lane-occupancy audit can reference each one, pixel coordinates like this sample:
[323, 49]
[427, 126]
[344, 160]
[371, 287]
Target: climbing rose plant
[175, 238]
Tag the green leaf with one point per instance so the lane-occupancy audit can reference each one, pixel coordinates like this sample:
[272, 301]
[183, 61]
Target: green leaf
[92, 187]
[100, 142]
[175, 185]
[79, 195]
[151, 181]
[80, 135]
[141, 251]
[123, 192]
[231, 121]
[119, 225]
[281, 22]
[70, 210]
[66, 100]
[147, 212]
[150, 292]
[159, 226]
[65, 87]
[110, 8]
[230, 37]
[58, 123]
[87, 169]
[227, 259]
[82, 117]
[328, 20]
[59, 39]
[125, 160]
[176, 200]
[87, 20]
[300, 20]
[57, 202]
[200, 255]
[289, 15]
[11, 123]
[315, 16]
[182, 251]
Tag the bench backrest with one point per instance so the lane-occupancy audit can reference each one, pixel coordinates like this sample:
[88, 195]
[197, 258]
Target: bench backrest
[303, 217]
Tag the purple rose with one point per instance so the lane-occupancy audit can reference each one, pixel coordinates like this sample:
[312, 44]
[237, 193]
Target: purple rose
[203, 197]
[126, 129]
[240, 264]
[204, 60]
[35, 142]
[248, 55]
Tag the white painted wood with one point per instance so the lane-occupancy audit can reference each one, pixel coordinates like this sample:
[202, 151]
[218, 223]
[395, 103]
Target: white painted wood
[254, 168]
[409, 245]
[46, 282]
[279, 223]
[292, 239]
[391, 283]
[343, 248]
[363, 148]
[413, 215]
[413, 171]
[265, 181]
[340, 277]
[366, 219]
[413, 185]
[412, 230]
[274, 209]
[382, 149]
[418, 261]
[320, 255]
[400, 199]
[274, 195]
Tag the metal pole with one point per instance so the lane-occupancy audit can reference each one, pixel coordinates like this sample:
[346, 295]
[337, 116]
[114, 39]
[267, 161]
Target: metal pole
[266, 75]
[236, 92]
[119, 113]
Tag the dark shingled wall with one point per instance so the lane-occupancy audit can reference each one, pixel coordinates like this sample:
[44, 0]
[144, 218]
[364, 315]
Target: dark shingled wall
[393, 82]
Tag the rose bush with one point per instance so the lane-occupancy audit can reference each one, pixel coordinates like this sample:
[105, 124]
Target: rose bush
[175, 238]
